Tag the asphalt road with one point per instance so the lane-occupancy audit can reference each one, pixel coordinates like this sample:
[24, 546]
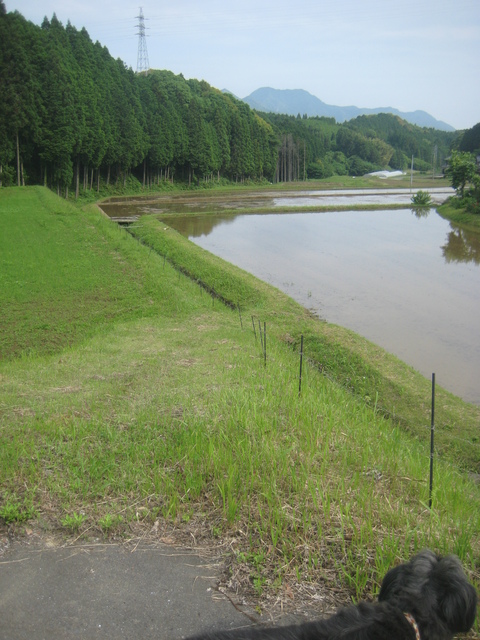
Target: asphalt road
[90, 591]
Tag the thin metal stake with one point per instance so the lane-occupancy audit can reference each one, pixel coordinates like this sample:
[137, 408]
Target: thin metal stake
[265, 342]
[254, 330]
[260, 332]
[432, 435]
[301, 360]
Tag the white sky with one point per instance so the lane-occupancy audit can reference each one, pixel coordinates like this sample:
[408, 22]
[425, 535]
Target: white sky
[408, 54]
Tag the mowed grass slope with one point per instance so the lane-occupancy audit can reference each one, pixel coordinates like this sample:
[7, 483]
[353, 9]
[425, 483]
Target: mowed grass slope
[131, 397]
[64, 273]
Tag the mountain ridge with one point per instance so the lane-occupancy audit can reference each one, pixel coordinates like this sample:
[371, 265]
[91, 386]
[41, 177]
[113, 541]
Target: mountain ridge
[298, 101]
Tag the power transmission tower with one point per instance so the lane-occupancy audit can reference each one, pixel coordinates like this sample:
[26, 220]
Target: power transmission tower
[142, 56]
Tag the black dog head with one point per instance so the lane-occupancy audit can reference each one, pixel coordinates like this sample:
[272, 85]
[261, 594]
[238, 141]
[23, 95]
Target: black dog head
[429, 584]
[434, 590]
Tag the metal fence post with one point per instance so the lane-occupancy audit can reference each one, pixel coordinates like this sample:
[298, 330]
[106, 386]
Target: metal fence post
[432, 435]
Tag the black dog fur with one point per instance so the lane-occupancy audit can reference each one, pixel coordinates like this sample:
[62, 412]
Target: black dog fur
[434, 590]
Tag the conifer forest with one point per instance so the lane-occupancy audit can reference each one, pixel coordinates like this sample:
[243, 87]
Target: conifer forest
[73, 117]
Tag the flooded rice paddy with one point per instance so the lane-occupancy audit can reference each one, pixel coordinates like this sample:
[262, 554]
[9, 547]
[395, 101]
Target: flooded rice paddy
[408, 282]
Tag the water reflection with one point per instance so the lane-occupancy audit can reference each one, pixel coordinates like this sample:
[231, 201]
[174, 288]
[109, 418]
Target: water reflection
[197, 226]
[421, 212]
[406, 279]
[401, 280]
[462, 246]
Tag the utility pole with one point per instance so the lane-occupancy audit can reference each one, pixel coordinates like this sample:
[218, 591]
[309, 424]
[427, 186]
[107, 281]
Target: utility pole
[142, 58]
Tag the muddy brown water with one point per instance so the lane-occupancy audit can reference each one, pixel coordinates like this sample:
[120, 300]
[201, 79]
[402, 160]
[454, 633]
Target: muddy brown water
[410, 283]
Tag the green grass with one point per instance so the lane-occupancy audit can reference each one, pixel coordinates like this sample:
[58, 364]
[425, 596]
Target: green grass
[157, 407]
[376, 377]
[66, 272]
[459, 216]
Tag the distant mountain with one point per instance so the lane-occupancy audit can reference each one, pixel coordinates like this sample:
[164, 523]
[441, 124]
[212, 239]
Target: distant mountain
[295, 101]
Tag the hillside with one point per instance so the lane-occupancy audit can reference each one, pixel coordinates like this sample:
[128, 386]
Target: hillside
[294, 101]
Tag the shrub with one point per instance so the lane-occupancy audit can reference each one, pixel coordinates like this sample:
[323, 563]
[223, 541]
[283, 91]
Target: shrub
[421, 165]
[359, 167]
[422, 198]
[7, 176]
[318, 170]
[472, 204]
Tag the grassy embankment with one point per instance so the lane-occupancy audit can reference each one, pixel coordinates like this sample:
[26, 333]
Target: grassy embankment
[130, 395]
[459, 216]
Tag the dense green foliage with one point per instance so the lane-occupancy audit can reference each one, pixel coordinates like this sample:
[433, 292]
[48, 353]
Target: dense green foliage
[470, 140]
[461, 170]
[70, 113]
[73, 117]
[429, 147]
[323, 148]
[464, 175]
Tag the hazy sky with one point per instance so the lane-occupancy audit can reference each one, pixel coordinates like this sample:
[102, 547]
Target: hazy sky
[408, 54]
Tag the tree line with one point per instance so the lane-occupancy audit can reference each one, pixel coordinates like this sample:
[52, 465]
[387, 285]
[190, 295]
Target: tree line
[362, 145]
[72, 117]
[71, 114]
